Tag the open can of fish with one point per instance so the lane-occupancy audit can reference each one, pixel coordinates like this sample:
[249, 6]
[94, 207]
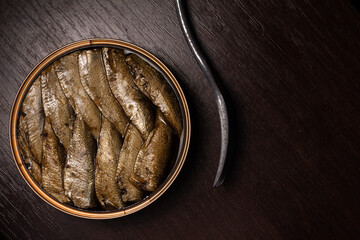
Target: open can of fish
[151, 189]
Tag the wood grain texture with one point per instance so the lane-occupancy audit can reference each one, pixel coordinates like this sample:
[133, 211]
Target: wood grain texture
[291, 69]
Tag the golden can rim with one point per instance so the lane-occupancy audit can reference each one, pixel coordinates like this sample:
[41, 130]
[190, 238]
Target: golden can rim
[22, 93]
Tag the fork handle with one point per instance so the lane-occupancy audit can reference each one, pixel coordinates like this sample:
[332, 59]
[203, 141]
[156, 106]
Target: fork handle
[220, 102]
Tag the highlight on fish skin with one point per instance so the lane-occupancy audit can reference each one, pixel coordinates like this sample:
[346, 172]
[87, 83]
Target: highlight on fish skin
[98, 128]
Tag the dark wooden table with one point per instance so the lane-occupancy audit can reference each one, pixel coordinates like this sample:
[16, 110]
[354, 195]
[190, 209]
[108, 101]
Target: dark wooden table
[291, 69]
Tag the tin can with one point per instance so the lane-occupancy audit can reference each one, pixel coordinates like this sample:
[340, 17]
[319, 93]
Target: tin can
[183, 144]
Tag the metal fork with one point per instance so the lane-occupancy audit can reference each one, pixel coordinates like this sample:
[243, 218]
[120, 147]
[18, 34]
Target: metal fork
[222, 108]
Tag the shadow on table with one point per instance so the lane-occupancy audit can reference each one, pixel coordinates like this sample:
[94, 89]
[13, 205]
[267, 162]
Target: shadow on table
[236, 133]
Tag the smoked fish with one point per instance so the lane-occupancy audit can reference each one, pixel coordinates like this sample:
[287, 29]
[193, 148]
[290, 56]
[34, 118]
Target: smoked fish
[155, 87]
[33, 167]
[53, 164]
[33, 114]
[154, 156]
[106, 189]
[135, 104]
[125, 167]
[95, 83]
[56, 106]
[67, 71]
[79, 167]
